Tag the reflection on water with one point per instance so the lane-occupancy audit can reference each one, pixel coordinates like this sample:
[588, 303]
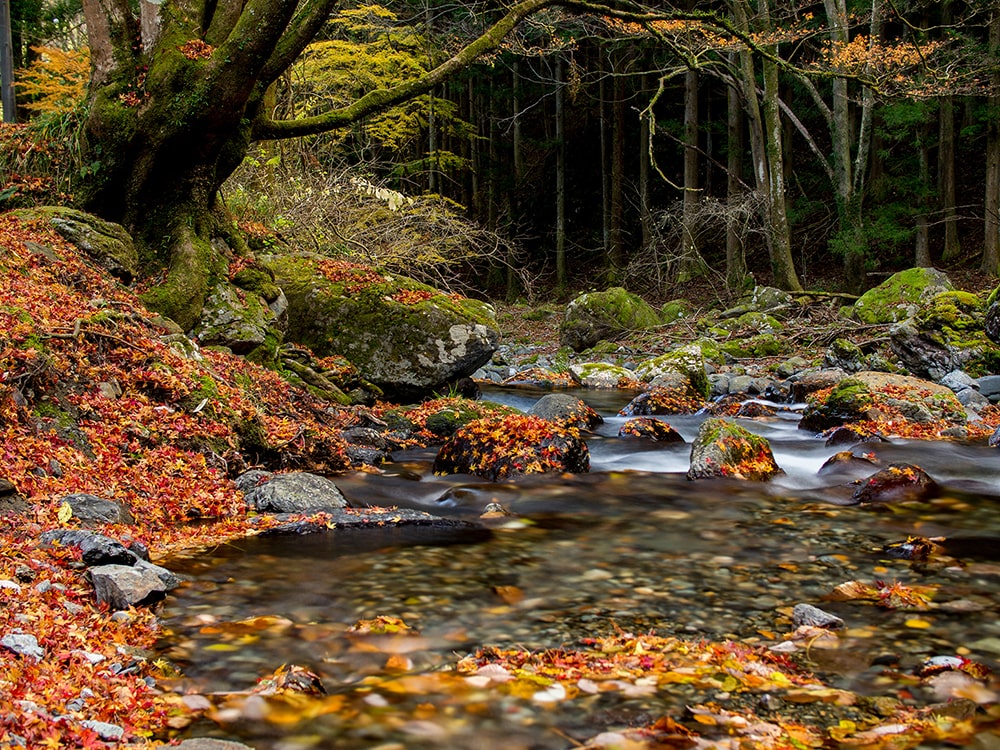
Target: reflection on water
[633, 545]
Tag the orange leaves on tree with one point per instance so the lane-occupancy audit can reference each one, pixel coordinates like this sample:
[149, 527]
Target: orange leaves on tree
[196, 49]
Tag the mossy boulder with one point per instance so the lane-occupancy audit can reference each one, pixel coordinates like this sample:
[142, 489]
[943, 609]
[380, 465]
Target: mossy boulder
[881, 397]
[725, 449]
[407, 338]
[676, 309]
[109, 245]
[234, 319]
[604, 315]
[762, 345]
[601, 375]
[947, 333]
[687, 361]
[900, 296]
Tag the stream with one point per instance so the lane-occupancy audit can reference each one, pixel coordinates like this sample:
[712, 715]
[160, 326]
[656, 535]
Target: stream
[631, 546]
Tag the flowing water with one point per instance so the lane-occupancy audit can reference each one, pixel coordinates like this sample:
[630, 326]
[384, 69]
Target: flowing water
[632, 546]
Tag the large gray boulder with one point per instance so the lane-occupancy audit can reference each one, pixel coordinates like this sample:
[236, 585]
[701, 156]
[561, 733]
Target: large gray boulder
[108, 244]
[295, 492]
[604, 315]
[405, 337]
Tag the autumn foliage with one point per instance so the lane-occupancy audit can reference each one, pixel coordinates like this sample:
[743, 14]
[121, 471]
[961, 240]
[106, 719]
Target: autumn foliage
[97, 397]
[504, 447]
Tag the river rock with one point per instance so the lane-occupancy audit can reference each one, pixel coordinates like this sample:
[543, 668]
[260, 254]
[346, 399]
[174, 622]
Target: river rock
[295, 492]
[900, 296]
[661, 400]
[124, 586]
[595, 316]
[90, 508]
[810, 381]
[600, 375]
[688, 361]
[845, 355]
[504, 447]
[846, 463]
[879, 396]
[895, 484]
[947, 333]
[407, 338]
[807, 614]
[209, 743]
[725, 449]
[648, 428]
[95, 549]
[567, 411]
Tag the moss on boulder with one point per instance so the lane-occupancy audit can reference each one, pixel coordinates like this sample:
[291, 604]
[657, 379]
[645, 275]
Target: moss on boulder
[109, 245]
[947, 333]
[882, 397]
[687, 360]
[604, 315]
[900, 296]
[725, 449]
[405, 337]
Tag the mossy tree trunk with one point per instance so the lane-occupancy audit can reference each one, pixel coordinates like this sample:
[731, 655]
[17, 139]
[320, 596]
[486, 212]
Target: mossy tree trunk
[178, 93]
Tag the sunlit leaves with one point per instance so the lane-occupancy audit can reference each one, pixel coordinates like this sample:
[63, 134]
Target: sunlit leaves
[503, 447]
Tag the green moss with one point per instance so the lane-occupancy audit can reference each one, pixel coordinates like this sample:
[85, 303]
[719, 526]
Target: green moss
[194, 268]
[952, 311]
[764, 345]
[258, 280]
[897, 297]
[849, 395]
[675, 310]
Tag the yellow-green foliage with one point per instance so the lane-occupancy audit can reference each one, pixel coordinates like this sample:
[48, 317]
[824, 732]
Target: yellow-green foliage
[55, 82]
[369, 49]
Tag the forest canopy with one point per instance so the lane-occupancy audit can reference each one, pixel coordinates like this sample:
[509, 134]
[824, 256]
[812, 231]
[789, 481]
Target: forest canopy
[656, 144]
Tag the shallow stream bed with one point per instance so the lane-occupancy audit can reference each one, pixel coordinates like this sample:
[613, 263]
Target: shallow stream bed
[633, 546]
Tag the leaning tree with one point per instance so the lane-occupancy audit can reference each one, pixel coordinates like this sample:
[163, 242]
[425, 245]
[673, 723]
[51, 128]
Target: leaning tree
[179, 90]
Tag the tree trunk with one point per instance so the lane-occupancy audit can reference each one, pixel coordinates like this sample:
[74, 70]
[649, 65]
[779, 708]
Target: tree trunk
[736, 264]
[602, 95]
[690, 261]
[922, 250]
[560, 175]
[991, 242]
[617, 227]
[952, 249]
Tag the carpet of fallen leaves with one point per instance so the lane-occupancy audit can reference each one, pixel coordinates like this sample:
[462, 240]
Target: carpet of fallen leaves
[96, 397]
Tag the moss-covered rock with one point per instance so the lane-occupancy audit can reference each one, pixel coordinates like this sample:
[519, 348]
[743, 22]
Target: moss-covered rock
[601, 375]
[947, 333]
[763, 345]
[676, 309]
[882, 398]
[234, 319]
[725, 449]
[687, 360]
[405, 337]
[604, 315]
[900, 296]
[108, 244]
